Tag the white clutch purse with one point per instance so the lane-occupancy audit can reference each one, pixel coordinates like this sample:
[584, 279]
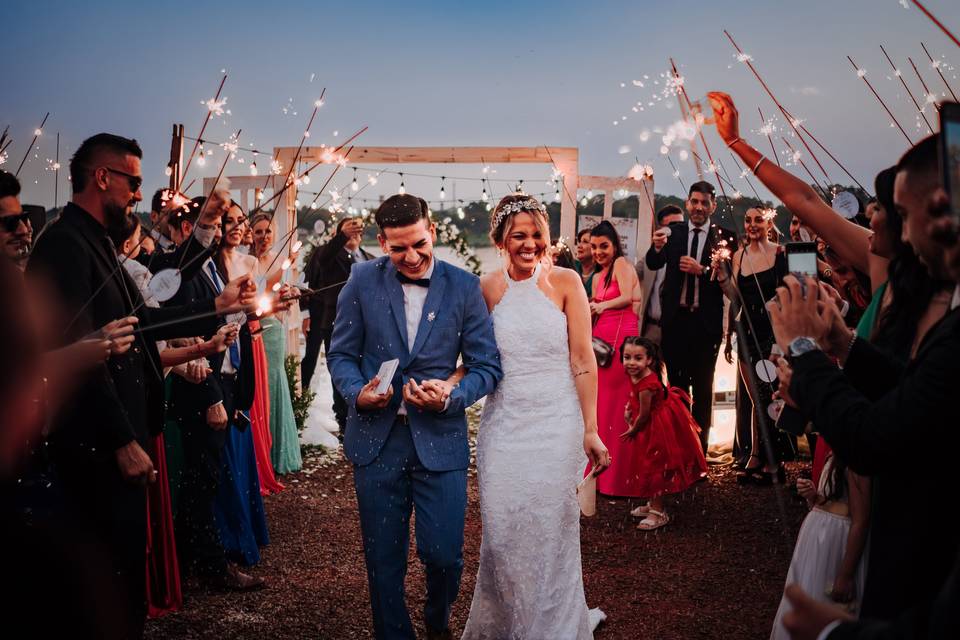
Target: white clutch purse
[587, 493]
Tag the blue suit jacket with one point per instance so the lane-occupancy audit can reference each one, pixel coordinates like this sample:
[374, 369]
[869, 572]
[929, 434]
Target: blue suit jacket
[371, 328]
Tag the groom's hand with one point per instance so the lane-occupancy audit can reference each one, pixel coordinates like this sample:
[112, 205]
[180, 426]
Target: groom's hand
[368, 399]
[424, 397]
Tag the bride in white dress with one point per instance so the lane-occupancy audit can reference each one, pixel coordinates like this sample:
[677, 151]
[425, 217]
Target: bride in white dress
[534, 432]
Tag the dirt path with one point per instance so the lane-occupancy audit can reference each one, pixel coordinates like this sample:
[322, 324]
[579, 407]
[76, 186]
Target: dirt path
[716, 571]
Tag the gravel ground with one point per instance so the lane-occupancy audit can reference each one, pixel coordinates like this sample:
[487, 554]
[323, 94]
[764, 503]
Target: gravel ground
[716, 571]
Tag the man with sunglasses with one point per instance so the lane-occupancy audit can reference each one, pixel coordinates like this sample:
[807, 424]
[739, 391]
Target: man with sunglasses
[16, 234]
[99, 438]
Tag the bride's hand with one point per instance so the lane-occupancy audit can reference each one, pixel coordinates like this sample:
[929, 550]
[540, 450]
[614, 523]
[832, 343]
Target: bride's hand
[596, 451]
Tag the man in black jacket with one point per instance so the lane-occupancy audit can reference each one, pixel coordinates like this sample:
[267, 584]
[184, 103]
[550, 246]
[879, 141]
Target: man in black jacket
[692, 301]
[98, 438]
[888, 420]
[328, 269]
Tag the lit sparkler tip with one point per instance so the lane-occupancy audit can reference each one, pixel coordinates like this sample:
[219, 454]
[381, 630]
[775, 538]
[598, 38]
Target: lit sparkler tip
[744, 57]
[286, 264]
[318, 103]
[276, 286]
[861, 73]
[37, 132]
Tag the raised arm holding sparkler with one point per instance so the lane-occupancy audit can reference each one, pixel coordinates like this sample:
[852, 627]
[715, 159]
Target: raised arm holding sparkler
[851, 241]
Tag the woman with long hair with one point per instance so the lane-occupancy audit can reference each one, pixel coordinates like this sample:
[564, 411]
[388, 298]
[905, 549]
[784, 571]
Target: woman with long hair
[285, 447]
[614, 320]
[756, 270]
[247, 472]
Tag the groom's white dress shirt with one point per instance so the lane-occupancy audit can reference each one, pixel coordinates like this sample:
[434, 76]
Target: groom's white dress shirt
[414, 297]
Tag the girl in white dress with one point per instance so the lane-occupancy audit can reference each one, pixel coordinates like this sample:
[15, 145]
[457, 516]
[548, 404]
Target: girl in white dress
[829, 557]
[533, 435]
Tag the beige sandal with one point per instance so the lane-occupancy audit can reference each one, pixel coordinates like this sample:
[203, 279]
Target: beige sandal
[642, 510]
[654, 520]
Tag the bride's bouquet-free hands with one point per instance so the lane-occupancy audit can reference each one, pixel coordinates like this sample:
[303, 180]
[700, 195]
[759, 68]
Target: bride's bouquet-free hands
[596, 452]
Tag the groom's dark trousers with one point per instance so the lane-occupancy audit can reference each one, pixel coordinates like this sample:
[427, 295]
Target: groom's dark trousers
[387, 488]
[417, 462]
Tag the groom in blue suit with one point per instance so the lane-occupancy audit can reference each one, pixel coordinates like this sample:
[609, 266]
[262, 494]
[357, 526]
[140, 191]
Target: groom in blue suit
[409, 445]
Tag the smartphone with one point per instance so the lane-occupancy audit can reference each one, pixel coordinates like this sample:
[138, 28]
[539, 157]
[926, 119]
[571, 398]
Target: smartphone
[950, 153]
[802, 261]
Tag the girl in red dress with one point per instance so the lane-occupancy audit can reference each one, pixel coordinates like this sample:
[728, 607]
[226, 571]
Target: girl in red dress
[665, 451]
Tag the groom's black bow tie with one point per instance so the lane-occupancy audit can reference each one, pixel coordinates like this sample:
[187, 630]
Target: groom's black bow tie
[420, 282]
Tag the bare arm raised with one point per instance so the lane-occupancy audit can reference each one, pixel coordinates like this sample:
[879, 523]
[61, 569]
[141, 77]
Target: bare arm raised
[851, 241]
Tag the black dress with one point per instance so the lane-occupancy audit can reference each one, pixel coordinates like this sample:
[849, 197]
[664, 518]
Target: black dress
[754, 344]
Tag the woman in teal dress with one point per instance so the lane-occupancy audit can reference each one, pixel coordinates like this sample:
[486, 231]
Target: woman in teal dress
[285, 450]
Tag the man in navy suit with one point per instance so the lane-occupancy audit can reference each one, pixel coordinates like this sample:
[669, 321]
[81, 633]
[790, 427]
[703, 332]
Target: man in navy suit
[409, 445]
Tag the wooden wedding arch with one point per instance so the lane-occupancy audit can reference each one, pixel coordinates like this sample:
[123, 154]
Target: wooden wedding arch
[564, 159]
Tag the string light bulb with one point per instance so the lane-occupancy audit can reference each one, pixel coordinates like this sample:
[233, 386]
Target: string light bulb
[253, 168]
[484, 196]
[520, 187]
[353, 185]
[460, 213]
[168, 171]
[403, 188]
[202, 158]
[556, 195]
[443, 191]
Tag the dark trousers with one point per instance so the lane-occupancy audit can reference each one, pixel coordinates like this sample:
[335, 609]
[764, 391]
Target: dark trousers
[691, 357]
[198, 539]
[315, 339]
[311, 354]
[388, 489]
[114, 511]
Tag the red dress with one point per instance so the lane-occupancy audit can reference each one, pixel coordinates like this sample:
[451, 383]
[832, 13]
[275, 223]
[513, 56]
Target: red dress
[613, 387]
[260, 416]
[163, 572]
[666, 456]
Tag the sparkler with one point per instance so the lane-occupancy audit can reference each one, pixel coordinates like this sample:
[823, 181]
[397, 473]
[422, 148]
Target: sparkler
[56, 174]
[36, 134]
[676, 173]
[5, 141]
[306, 134]
[936, 22]
[903, 82]
[340, 162]
[863, 76]
[208, 118]
[713, 165]
[928, 96]
[936, 65]
[793, 121]
[767, 129]
[797, 158]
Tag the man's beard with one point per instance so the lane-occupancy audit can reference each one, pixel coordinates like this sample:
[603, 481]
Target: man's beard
[114, 217]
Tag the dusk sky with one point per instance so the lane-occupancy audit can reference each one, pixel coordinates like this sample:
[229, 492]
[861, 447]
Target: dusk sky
[444, 73]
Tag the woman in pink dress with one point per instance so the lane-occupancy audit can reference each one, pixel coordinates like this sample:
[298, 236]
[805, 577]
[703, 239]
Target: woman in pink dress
[614, 320]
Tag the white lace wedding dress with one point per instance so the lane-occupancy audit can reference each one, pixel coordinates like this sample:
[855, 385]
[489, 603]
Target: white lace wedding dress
[530, 459]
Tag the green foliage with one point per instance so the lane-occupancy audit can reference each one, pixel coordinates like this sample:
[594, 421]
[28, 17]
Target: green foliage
[301, 401]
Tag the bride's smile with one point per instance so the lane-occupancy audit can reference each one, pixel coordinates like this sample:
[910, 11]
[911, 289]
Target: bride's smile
[525, 245]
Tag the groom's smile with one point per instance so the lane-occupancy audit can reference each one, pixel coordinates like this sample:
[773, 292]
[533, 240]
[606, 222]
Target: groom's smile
[410, 247]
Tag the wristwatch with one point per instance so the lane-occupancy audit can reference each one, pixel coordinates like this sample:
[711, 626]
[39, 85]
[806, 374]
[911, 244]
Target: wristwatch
[802, 345]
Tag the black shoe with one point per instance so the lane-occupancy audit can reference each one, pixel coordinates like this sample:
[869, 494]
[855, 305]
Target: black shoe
[439, 635]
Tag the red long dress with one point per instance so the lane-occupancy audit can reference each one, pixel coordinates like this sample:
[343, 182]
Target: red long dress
[666, 456]
[260, 416]
[613, 387]
[163, 570]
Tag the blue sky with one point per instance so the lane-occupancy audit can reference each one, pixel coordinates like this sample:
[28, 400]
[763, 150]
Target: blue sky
[434, 73]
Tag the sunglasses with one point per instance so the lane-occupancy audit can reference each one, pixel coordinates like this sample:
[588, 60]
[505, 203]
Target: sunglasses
[11, 223]
[134, 181]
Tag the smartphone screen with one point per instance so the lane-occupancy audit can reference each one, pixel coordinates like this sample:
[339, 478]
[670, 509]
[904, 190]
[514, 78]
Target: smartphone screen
[950, 153]
[802, 258]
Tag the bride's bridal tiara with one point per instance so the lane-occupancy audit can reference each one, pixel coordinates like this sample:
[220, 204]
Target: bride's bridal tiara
[516, 207]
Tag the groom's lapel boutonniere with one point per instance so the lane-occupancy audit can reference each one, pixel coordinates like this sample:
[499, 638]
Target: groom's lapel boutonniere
[431, 316]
